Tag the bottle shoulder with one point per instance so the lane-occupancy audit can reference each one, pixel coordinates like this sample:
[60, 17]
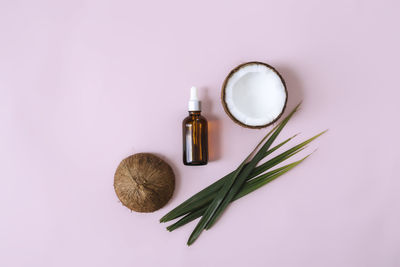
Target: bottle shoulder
[187, 119]
[197, 118]
[203, 119]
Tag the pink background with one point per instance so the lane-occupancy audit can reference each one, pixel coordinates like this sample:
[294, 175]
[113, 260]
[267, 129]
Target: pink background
[84, 84]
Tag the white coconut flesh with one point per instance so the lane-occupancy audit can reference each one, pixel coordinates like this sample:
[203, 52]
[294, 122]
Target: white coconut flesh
[255, 95]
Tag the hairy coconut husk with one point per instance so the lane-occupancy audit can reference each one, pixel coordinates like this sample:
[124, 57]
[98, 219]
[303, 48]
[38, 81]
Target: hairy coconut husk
[226, 106]
[143, 182]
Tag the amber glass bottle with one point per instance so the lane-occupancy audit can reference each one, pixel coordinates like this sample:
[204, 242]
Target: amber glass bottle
[195, 133]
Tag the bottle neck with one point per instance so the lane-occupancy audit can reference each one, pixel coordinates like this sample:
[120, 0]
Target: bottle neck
[194, 113]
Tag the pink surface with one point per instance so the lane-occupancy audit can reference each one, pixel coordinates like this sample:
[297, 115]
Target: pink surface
[84, 84]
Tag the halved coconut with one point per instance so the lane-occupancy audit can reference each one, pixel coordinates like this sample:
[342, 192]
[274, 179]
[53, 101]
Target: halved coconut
[254, 95]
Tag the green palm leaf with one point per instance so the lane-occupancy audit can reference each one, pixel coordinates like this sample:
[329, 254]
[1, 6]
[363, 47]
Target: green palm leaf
[248, 187]
[198, 199]
[237, 183]
[219, 202]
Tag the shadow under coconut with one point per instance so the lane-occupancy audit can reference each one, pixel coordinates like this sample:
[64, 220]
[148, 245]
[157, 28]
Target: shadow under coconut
[293, 86]
[176, 173]
[214, 125]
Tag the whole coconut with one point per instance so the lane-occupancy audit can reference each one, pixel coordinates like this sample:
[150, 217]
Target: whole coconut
[143, 182]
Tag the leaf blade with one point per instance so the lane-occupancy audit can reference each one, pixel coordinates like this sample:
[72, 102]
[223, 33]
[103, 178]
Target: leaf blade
[261, 181]
[235, 187]
[187, 205]
[222, 193]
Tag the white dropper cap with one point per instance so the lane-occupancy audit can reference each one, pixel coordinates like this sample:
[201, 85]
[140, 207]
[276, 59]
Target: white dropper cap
[194, 102]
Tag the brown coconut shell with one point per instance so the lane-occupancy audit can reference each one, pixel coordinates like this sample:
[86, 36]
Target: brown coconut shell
[226, 106]
[143, 182]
